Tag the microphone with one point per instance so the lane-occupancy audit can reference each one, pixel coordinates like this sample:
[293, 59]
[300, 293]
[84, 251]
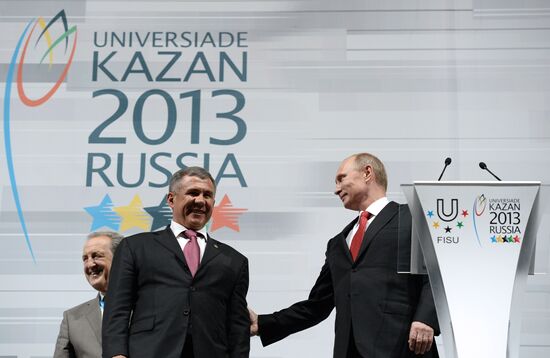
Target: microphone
[447, 162]
[484, 167]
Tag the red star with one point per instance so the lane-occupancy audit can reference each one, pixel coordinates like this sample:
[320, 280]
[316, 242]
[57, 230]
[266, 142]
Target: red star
[226, 215]
[516, 238]
[464, 213]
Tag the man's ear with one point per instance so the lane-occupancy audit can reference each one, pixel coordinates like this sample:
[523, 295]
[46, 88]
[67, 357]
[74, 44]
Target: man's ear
[368, 173]
[170, 199]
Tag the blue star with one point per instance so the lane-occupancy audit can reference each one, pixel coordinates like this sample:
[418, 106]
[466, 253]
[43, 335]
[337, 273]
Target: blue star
[493, 238]
[430, 213]
[103, 215]
[161, 214]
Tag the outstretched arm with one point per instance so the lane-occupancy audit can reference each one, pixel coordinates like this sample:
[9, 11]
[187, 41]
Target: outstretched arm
[301, 315]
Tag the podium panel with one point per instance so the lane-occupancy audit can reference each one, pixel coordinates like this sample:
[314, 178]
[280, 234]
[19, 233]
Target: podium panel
[477, 240]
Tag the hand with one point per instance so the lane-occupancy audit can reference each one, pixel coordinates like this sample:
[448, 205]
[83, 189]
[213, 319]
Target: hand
[253, 322]
[421, 337]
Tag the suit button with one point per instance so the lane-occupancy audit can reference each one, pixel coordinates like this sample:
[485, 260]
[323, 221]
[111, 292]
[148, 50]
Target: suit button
[186, 312]
[192, 288]
[354, 270]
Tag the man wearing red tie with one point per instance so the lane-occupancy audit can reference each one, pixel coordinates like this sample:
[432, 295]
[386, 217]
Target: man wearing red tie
[379, 313]
[178, 292]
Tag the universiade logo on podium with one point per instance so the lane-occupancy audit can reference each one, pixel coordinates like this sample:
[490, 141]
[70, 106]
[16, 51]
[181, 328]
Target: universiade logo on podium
[502, 219]
[41, 41]
[493, 220]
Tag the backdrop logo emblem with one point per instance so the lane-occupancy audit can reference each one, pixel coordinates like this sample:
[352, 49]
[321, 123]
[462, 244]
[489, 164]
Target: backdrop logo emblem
[151, 218]
[16, 69]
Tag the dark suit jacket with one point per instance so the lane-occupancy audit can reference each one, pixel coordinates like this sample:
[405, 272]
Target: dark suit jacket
[154, 303]
[80, 332]
[369, 295]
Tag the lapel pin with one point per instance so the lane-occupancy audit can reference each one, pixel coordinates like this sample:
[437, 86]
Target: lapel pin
[216, 246]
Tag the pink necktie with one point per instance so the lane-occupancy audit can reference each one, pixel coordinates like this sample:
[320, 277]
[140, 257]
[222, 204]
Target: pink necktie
[191, 251]
[358, 237]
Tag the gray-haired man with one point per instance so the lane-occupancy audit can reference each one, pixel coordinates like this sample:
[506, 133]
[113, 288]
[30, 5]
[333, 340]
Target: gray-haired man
[80, 331]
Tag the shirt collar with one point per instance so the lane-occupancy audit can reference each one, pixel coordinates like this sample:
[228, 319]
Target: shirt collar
[376, 207]
[177, 229]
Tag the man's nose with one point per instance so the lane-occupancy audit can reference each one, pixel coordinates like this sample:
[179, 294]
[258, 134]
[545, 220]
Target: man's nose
[337, 190]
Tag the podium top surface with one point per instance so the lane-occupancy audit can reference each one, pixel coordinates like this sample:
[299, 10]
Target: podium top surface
[475, 183]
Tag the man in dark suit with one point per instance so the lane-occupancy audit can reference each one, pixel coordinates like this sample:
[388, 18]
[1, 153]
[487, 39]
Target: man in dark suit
[379, 313]
[178, 292]
[80, 331]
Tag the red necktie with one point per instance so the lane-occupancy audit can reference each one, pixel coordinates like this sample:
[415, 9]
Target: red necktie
[358, 237]
[191, 251]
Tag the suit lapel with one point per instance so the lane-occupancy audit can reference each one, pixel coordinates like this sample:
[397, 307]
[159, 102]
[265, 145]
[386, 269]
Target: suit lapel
[93, 316]
[381, 220]
[168, 240]
[212, 250]
[342, 239]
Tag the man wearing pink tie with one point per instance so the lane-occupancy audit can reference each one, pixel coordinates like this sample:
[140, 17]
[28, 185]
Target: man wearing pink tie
[178, 292]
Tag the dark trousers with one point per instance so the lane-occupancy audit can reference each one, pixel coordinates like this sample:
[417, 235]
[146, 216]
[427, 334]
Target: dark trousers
[188, 348]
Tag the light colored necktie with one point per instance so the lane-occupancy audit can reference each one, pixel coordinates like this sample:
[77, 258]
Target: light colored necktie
[359, 234]
[101, 305]
[191, 251]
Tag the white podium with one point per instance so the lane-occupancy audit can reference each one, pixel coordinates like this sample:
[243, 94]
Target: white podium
[477, 241]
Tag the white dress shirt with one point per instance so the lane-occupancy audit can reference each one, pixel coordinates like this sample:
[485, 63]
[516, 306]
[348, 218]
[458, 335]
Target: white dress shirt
[178, 230]
[374, 209]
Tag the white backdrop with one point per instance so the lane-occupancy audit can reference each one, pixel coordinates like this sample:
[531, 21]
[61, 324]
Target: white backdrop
[309, 82]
